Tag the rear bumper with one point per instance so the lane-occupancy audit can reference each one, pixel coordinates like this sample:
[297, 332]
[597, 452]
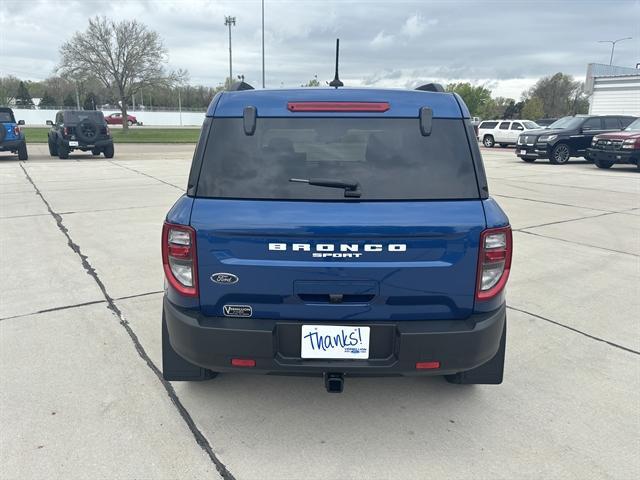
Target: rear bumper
[395, 347]
[11, 145]
[87, 146]
[616, 156]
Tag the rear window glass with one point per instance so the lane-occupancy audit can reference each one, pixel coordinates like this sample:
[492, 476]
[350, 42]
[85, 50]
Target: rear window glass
[77, 117]
[6, 117]
[389, 158]
[626, 121]
[611, 123]
[488, 125]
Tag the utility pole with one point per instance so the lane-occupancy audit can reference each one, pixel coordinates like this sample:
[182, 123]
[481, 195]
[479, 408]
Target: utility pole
[262, 43]
[180, 105]
[613, 46]
[229, 21]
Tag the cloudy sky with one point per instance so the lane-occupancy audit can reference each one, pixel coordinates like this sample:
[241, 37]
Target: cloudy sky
[505, 45]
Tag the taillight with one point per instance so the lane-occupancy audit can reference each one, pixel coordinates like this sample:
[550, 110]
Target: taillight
[494, 262]
[65, 131]
[179, 258]
[16, 131]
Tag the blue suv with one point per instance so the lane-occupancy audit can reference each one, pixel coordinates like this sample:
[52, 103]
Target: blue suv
[336, 232]
[11, 135]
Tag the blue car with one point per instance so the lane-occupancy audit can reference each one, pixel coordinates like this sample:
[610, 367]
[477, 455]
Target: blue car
[336, 232]
[11, 135]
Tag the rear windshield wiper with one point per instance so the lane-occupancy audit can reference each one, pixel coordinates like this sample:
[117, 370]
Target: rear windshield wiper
[351, 189]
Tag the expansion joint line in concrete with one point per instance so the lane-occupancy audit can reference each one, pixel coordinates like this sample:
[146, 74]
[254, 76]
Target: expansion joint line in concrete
[111, 305]
[592, 337]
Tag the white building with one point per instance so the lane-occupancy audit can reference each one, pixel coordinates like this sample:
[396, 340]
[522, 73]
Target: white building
[613, 90]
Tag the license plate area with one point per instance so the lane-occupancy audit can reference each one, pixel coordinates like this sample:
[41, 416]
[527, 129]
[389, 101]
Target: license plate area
[288, 345]
[334, 342]
[73, 143]
[523, 152]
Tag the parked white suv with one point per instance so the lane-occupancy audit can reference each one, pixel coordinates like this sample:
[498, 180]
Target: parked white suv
[503, 132]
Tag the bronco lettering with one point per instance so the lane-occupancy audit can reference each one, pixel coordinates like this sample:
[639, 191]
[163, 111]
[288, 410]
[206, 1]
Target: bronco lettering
[327, 249]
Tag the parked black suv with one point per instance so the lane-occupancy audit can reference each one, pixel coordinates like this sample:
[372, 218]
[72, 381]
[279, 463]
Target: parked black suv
[567, 137]
[84, 130]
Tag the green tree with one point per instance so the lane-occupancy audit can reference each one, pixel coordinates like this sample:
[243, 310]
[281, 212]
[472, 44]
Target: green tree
[8, 89]
[69, 101]
[496, 108]
[125, 56]
[476, 97]
[23, 98]
[560, 95]
[514, 109]
[533, 109]
[47, 100]
[312, 83]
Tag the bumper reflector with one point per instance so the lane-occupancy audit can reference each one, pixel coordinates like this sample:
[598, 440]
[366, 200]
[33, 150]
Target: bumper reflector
[243, 362]
[427, 365]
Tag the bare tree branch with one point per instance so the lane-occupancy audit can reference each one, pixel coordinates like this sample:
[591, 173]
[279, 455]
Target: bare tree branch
[125, 56]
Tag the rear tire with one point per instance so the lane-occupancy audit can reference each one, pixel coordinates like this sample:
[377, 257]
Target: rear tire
[488, 141]
[22, 152]
[176, 368]
[108, 151]
[53, 149]
[63, 151]
[603, 164]
[490, 373]
[560, 154]
[95, 151]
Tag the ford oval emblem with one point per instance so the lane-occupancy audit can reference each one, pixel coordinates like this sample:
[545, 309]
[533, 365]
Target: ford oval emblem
[225, 278]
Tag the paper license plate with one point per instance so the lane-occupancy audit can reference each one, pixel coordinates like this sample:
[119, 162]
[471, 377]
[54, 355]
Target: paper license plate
[73, 143]
[332, 341]
[523, 152]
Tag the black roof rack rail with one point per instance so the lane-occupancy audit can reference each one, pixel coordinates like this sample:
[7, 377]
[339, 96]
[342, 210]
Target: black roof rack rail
[431, 87]
[235, 86]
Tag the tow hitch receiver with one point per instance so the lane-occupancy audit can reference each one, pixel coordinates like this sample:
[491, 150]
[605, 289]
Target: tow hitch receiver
[334, 382]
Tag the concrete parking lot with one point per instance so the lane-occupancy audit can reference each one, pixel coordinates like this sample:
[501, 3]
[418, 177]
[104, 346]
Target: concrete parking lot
[81, 393]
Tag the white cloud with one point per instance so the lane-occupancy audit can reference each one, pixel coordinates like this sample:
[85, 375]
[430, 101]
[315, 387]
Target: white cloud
[382, 43]
[382, 40]
[415, 25]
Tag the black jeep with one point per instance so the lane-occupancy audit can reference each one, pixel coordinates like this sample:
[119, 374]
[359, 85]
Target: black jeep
[84, 130]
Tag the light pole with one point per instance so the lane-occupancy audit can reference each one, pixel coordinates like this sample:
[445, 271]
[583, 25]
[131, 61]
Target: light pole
[613, 46]
[228, 21]
[180, 105]
[262, 43]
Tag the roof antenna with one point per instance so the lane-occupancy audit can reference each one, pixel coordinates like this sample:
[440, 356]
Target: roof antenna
[336, 82]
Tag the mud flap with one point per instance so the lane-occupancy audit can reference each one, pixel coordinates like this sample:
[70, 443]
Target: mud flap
[176, 368]
[489, 373]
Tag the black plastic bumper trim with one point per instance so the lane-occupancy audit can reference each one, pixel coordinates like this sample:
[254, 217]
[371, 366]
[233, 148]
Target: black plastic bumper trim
[211, 342]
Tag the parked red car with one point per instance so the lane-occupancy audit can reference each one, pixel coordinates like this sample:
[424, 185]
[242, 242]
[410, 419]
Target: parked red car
[116, 119]
[616, 147]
